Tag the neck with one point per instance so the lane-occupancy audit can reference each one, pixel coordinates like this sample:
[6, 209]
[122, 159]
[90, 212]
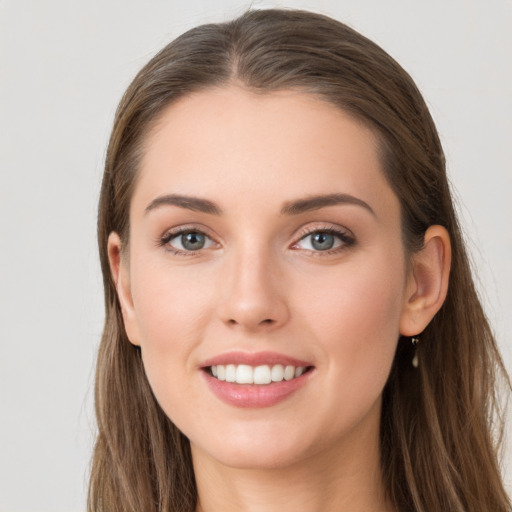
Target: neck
[345, 479]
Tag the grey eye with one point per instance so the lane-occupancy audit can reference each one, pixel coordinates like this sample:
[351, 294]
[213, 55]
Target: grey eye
[322, 241]
[193, 241]
[189, 241]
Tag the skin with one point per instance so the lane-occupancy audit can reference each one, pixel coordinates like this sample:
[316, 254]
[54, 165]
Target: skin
[260, 285]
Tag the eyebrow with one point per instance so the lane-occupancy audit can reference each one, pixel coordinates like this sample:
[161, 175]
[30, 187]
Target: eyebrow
[316, 202]
[295, 207]
[190, 203]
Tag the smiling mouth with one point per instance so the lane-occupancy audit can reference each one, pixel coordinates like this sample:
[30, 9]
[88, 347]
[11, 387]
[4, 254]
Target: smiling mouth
[260, 375]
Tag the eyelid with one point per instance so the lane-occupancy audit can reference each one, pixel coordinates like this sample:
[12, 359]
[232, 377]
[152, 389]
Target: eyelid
[172, 233]
[343, 234]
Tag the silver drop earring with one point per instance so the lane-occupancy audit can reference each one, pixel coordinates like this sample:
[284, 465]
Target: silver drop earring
[415, 361]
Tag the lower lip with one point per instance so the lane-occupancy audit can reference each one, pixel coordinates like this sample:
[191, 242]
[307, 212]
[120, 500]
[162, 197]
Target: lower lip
[254, 395]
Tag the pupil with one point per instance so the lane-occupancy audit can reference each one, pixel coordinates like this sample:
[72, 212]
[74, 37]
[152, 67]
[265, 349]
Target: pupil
[192, 241]
[323, 241]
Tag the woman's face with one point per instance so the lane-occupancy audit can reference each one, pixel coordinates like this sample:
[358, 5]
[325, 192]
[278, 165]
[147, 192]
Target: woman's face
[265, 247]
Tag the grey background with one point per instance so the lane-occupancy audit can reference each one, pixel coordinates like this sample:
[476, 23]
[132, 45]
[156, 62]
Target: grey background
[63, 67]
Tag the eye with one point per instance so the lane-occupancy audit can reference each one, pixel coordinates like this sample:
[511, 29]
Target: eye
[187, 241]
[322, 240]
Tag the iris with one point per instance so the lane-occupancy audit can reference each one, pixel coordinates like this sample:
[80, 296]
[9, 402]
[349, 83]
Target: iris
[193, 241]
[322, 241]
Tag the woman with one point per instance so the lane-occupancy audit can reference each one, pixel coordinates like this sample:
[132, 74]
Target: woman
[291, 319]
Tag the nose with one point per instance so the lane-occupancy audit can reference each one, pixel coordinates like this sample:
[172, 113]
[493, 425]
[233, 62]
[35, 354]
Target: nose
[252, 293]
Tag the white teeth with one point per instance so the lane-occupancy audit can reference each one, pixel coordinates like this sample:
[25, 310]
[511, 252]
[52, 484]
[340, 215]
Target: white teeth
[289, 373]
[230, 373]
[244, 374]
[277, 373]
[263, 374]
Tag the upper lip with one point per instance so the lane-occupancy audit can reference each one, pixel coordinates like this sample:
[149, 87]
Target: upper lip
[254, 359]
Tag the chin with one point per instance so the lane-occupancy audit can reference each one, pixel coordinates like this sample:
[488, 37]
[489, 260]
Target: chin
[273, 448]
[255, 457]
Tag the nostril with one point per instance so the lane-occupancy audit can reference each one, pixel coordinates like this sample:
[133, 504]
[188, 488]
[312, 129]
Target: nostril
[267, 321]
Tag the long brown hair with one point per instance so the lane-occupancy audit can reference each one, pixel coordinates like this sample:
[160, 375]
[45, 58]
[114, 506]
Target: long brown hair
[440, 422]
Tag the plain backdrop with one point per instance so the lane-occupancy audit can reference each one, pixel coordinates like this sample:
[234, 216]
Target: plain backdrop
[64, 65]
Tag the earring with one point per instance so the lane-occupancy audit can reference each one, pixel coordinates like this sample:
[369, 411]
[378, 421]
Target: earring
[415, 361]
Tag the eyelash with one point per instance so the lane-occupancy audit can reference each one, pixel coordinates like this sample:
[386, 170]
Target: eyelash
[171, 235]
[347, 240]
[344, 236]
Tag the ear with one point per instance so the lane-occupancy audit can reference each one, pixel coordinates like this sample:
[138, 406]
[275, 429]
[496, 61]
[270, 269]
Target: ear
[120, 273]
[427, 281]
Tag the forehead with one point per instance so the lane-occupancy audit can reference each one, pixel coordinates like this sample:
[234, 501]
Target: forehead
[230, 142]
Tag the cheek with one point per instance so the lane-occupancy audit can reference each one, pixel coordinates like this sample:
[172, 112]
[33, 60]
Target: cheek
[172, 314]
[170, 317]
[354, 316]
[171, 304]
[356, 298]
